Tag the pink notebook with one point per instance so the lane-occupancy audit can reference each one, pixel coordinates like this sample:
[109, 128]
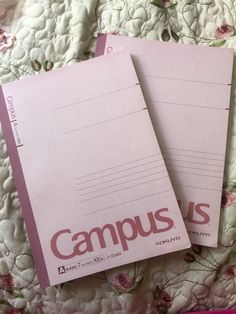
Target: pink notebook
[91, 178]
[187, 91]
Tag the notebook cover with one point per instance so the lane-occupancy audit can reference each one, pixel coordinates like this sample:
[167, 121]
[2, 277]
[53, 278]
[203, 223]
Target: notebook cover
[91, 178]
[187, 91]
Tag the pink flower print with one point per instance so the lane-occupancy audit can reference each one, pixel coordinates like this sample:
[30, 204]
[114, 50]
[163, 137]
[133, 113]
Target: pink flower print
[165, 3]
[165, 299]
[224, 31]
[227, 199]
[231, 271]
[123, 283]
[12, 310]
[6, 40]
[6, 281]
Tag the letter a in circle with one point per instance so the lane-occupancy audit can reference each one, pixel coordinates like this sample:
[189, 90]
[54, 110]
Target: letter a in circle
[61, 270]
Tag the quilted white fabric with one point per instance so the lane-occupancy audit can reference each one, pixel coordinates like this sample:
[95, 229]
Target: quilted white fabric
[40, 35]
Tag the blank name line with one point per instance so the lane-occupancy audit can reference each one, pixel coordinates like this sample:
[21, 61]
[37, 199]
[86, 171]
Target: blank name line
[101, 122]
[175, 166]
[186, 80]
[197, 187]
[95, 97]
[117, 178]
[196, 174]
[166, 153]
[120, 165]
[110, 174]
[193, 162]
[130, 201]
[134, 179]
[193, 151]
[130, 187]
[187, 105]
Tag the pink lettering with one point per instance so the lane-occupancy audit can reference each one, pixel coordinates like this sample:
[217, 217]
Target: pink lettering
[168, 221]
[122, 232]
[196, 213]
[123, 236]
[54, 244]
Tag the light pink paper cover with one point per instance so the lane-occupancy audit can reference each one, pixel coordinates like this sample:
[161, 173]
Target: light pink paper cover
[91, 178]
[187, 91]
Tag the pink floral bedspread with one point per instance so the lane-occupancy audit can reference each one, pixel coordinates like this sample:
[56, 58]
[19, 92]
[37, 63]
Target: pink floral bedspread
[40, 35]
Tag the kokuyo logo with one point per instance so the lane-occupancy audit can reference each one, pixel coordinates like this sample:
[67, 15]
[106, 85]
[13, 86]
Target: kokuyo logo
[157, 223]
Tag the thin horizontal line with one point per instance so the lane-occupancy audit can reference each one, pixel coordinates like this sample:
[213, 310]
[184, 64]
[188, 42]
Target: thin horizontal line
[193, 162]
[134, 179]
[197, 174]
[169, 165]
[117, 178]
[193, 151]
[187, 105]
[165, 153]
[120, 165]
[185, 80]
[19, 145]
[102, 122]
[110, 174]
[13, 121]
[107, 175]
[196, 187]
[94, 197]
[98, 96]
[123, 203]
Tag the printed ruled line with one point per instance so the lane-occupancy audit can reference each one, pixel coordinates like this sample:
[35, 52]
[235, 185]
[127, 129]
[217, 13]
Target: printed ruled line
[19, 145]
[186, 80]
[117, 178]
[169, 165]
[208, 158]
[185, 104]
[110, 174]
[124, 182]
[95, 97]
[193, 151]
[130, 187]
[120, 165]
[197, 187]
[130, 201]
[102, 122]
[196, 174]
[194, 162]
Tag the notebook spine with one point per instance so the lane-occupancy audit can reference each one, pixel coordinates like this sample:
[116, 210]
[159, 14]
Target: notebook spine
[100, 48]
[19, 180]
